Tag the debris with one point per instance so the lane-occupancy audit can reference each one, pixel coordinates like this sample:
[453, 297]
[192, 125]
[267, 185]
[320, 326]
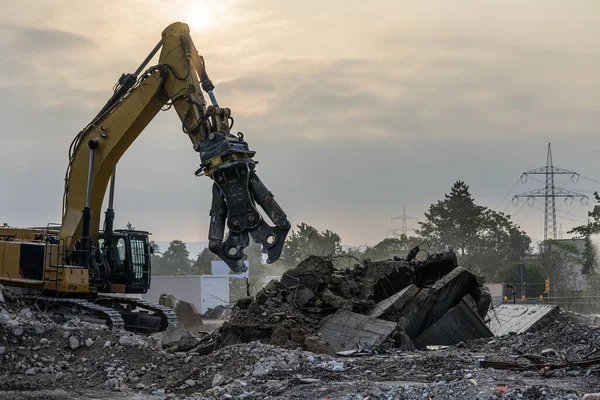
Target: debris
[73, 343]
[186, 312]
[458, 324]
[300, 297]
[430, 304]
[218, 380]
[393, 303]
[346, 330]
[189, 317]
[511, 318]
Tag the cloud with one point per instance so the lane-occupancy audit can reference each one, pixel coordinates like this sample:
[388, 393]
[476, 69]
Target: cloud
[353, 112]
[24, 40]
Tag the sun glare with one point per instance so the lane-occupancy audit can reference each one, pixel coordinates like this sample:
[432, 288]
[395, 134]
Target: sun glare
[199, 16]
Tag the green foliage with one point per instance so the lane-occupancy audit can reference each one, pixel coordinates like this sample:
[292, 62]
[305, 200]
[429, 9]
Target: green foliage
[307, 240]
[454, 221]
[593, 225]
[533, 272]
[202, 264]
[486, 241]
[383, 249]
[559, 260]
[589, 256]
[174, 260]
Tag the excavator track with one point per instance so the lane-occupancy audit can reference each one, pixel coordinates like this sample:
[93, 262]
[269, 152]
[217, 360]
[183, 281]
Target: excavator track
[112, 317]
[166, 315]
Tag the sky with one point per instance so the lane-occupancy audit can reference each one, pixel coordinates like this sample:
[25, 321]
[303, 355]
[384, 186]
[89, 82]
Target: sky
[355, 109]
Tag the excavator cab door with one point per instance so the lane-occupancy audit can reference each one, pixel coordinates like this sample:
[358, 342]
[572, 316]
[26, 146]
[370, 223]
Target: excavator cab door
[139, 266]
[129, 258]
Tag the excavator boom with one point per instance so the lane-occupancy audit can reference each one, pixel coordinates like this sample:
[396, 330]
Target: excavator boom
[175, 82]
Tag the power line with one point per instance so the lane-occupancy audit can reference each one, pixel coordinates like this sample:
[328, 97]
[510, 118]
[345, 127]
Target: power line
[509, 193]
[404, 218]
[550, 192]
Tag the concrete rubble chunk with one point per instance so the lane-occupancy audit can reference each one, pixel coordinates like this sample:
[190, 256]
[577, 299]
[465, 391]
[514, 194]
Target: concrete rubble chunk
[318, 345]
[313, 272]
[459, 324]
[218, 380]
[2, 301]
[393, 303]
[346, 330]
[131, 341]
[483, 299]
[520, 318]
[73, 343]
[430, 304]
[300, 297]
[434, 268]
[188, 315]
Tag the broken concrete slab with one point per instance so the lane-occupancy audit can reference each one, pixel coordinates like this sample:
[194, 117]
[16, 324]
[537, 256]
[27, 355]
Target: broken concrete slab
[482, 297]
[434, 268]
[520, 318]
[459, 324]
[346, 330]
[429, 305]
[393, 303]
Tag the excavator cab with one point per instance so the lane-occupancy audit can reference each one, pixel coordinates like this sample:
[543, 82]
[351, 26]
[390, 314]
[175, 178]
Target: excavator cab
[128, 255]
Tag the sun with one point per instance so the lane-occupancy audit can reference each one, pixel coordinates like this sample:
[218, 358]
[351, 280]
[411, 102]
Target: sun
[199, 16]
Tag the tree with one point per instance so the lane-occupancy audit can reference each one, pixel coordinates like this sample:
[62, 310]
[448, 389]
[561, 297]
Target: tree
[307, 240]
[453, 222]
[485, 240]
[592, 226]
[590, 255]
[559, 260]
[383, 249]
[589, 258]
[175, 259]
[202, 264]
[129, 226]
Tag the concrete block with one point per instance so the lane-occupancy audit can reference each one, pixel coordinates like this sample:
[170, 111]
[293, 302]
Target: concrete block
[429, 305]
[520, 318]
[458, 324]
[346, 330]
[393, 303]
[434, 268]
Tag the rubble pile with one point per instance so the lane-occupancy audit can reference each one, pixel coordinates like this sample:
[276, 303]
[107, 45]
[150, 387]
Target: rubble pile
[392, 303]
[40, 358]
[569, 333]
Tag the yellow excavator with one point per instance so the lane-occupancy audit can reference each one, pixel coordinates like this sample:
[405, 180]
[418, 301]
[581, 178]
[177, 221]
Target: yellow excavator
[79, 265]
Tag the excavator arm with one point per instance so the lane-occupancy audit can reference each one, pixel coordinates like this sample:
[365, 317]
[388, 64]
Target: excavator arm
[176, 82]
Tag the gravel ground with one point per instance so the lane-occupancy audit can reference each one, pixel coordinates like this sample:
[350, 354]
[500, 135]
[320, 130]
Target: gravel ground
[41, 359]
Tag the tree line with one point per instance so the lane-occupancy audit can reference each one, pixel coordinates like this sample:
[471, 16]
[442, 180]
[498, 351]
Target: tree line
[487, 242]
